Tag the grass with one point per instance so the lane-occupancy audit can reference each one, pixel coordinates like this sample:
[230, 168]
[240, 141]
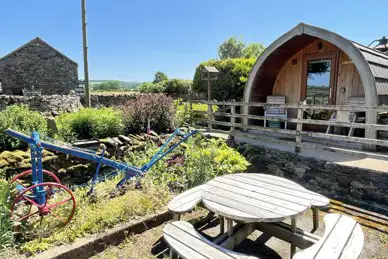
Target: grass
[147, 245]
[97, 212]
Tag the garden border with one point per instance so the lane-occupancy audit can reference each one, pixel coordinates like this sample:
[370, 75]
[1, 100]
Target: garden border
[98, 242]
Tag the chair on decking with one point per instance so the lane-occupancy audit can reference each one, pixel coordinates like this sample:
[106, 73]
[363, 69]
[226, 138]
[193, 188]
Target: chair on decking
[275, 112]
[347, 116]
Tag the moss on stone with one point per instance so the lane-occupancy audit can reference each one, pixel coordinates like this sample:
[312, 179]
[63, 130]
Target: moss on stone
[3, 163]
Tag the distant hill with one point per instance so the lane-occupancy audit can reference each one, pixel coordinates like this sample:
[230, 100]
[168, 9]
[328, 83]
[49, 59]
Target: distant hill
[124, 85]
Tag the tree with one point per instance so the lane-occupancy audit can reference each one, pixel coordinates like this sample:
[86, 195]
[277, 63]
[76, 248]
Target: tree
[159, 77]
[231, 79]
[253, 50]
[108, 86]
[231, 48]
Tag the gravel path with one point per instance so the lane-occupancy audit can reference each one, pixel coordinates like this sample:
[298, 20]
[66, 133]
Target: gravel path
[151, 245]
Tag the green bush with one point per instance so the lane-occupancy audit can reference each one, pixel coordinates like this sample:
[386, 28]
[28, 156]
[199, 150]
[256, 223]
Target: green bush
[171, 86]
[20, 118]
[203, 160]
[178, 86]
[152, 87]
[90, 123]
[6, 234]
[231, 79]
[157, 108]
[184, 114]
[97, 212]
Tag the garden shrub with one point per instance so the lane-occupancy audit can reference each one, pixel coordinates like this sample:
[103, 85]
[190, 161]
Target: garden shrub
[98, 212]
[184, 114]
[157, 108]
[203, 160]
[178, 86]
[171, 86]
[152, 87]
[231, 80]
[90, 123]
[6, 234]
[20, 118]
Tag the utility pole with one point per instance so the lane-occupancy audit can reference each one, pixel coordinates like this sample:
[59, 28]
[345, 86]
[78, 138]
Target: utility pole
[85, 50]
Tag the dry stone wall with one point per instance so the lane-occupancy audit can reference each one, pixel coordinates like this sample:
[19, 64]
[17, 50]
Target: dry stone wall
[112, 100]
[361, 187]
[46, 104]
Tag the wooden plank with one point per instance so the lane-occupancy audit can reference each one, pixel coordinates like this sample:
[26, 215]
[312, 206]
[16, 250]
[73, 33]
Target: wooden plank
[359, 108]
[188, 243]
[312, 134]
[234, 209]
[185, 201]
[239, 235]
[301, 239]
[343, 238]
[299, 191]
[264, 195]
[279, 118]
[257, 200]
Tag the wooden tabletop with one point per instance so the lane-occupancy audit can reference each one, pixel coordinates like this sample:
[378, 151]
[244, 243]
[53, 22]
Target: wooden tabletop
[258, 197]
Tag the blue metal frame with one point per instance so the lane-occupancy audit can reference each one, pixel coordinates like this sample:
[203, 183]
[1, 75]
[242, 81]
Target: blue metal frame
[37, 146]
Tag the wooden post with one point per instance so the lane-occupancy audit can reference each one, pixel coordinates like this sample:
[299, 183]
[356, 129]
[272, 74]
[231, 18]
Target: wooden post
[209, 88]
[209, 98]
[209, 116]
[232, 119]
[245, 119]
[293, 230]
[371, 118]
[315, 219]
[85, 52]
[299, 127]
[222, 224]
[229, 223]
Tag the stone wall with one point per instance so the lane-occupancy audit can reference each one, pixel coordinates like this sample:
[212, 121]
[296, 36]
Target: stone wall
[361, 187]
[111, 100]
[38, 64]
[46, 104]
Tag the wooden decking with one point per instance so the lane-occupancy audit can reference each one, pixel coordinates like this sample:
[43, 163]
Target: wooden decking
[341, 156]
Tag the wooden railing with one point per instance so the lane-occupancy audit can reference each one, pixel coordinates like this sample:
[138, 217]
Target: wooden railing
[371, 129]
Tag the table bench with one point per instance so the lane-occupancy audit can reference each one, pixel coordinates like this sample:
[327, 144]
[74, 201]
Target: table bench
[189, 244]
[185, 202]
[343, 238]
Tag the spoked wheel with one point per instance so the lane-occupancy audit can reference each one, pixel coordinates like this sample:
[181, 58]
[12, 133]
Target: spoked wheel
[17, 179]
[59, 206]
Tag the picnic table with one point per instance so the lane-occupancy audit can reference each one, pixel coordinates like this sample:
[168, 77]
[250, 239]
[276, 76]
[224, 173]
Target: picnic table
[253, 201]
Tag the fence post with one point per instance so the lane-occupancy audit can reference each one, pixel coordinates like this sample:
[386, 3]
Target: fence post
[244, 121]
[232, 119]
[299, 127]
[209, 116]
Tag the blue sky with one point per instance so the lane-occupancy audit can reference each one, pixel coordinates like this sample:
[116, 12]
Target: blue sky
[131, 40]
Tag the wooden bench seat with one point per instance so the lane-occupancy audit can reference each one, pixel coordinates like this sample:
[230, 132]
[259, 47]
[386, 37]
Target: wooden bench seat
[343, 239]
[185, 201]
[184, 240]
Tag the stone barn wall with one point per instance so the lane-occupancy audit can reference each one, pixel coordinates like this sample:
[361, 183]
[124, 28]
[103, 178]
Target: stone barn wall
[40, 65]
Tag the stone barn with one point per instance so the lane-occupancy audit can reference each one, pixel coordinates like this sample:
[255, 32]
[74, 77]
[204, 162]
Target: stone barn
[37, 65]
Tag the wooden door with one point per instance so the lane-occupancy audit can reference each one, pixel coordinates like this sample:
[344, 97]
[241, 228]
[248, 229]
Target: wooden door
[319, 78]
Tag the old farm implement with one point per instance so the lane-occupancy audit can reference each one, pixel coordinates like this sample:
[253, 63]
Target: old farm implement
[51, 198]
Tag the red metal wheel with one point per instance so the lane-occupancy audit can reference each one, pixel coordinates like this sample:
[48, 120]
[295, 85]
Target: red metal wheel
[20, 176]
[60, 204]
